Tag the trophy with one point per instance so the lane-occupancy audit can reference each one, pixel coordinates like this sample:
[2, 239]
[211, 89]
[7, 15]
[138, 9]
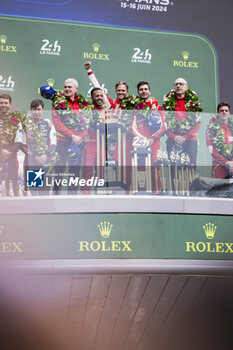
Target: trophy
[173, 176]
[110, 171]
[182, 170]
[141, 166]
[111, 156]
[162, 171]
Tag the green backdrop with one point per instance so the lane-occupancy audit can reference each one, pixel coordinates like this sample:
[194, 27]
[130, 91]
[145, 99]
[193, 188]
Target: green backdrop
[33, 51]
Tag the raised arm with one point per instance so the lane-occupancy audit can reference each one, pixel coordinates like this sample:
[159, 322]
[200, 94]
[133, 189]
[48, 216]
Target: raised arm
[94, 81]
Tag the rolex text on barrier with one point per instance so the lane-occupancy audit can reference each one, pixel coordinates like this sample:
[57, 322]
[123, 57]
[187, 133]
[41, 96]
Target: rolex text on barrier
[116, 236]
[105, 246]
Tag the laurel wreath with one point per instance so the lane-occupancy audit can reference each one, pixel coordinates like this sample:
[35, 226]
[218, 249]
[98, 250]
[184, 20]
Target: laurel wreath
[216, 135]
[96, 117]
[137, 103]
[131, 102]
[192, 102]
[70, 119]
[34, 138]
[9, 128]
[36, 141]
[181, 127]
[128, 102]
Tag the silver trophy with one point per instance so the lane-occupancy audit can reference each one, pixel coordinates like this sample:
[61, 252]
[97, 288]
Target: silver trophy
[141, 166]
[111, 156]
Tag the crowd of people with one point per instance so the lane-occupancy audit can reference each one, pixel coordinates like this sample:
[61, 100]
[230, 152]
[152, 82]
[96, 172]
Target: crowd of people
[70, 139]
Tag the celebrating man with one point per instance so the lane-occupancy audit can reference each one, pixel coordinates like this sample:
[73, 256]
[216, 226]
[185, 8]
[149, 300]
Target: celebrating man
[182, 127]
[97, 98]
[90, 147]
[123, 101]
[10, 123]
[122, 89]
[141, 127]
[67, 106]
[220, 142]
[5, 106]
[144, 93]
[148, 123]
[71, 126]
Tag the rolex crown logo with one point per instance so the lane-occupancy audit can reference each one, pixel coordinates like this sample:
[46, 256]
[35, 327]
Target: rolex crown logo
[96, 47]
[209, 230]
[185, 55]
[51, 81]
[105, 229]
[3, 39]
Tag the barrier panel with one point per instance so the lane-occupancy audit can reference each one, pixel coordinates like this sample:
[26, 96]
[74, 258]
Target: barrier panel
[117, 152]
[115, 236]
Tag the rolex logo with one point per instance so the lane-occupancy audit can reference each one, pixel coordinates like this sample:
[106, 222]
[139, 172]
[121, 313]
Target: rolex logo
[3, 39]
[96, 47]
[51, 81]
[209, 230]
[96, 55]
[185, 63]
[185, 55]
[105, 229]
[4, 47]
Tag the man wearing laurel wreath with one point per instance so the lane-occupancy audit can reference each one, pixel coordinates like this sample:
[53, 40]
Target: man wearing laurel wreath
[122, 89]
[39, 151]
[148, 125]
[123, 101]
[71, 126]
[140, 126]
[219, 140]
[5, 105]
[182, 127]
[8, 146]
[90, 143]
[67, 135]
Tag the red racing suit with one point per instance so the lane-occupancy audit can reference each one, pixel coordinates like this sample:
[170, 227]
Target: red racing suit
[95, 83]
[190, 144]
[219, 170]
[90, 148]
[190, 135]
[64, 134]
[141, 129]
